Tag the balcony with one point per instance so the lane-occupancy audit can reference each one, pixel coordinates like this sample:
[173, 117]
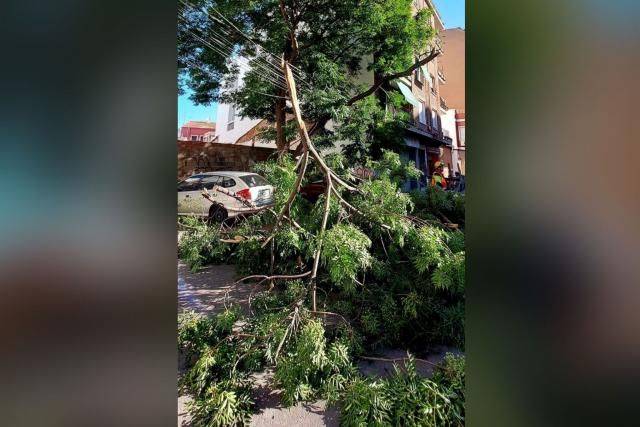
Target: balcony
[441, 75]
[425, 130]
[443, 104]
[437, 41]
[446, 136]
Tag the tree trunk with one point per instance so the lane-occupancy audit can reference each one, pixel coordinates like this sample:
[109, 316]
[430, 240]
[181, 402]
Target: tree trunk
[290, 55]
[281, 140]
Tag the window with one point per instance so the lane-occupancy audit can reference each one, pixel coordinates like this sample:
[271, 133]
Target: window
[211, 181]
[418, 74]
[432, 83]
[434, 119]
[189, 184]
[227, 182]
[232, 117]
[254, 180]
[422, 116]
[461, 135]
[194, 137]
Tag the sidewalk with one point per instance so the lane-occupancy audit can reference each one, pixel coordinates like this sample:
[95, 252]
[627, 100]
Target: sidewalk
[204, 292]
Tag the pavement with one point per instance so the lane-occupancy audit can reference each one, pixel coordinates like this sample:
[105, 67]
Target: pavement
[206, 291]
[209, 289]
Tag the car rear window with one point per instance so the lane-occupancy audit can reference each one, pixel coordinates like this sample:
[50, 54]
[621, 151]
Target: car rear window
[254, 180]
[227, 182]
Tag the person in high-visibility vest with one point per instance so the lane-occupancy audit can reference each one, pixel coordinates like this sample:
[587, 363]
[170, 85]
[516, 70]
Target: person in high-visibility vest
[437, 178]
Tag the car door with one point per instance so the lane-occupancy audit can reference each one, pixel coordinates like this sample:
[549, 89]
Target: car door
[188, 191]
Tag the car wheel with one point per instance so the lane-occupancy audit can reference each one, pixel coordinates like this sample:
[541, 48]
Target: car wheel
[217, 214]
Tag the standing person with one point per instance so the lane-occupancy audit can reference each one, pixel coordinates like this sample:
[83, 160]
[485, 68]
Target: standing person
[438, 176]
[461, 184]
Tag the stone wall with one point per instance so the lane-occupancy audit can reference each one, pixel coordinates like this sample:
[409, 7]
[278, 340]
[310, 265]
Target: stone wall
[197, 156]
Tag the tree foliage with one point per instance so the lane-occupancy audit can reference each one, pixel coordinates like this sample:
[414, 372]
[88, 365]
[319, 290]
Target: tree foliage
[405, 399]
[345, 253]
[337, 46]
[379, 263]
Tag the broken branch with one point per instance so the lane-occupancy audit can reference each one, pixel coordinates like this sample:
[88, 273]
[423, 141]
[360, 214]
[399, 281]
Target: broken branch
[386, 79]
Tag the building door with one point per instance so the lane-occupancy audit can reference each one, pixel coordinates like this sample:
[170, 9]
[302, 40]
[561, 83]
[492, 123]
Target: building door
[422, 166]
[413, 157]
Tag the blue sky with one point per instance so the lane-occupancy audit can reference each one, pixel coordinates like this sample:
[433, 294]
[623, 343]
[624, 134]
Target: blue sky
[451, 12]
[188, 111]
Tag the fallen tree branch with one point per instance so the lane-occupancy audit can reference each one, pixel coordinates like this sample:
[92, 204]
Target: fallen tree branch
[356, 210]
[206, 195]
[323, 227]
[286, 209]
[295, 320]
[329, 313]
[397, 359]
[276, 277]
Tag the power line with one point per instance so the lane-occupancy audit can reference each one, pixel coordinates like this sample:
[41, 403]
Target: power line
[253, 91]
[238, 61]
[228, 48]
[297, 71]
[258, 60]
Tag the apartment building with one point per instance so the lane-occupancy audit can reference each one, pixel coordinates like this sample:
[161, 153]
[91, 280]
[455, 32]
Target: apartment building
[453, 91]
[232, 126]
[428, 138]
[197, 131]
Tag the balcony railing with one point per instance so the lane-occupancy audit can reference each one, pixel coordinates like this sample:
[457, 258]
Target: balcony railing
[441, 75]
[437, 41]
[443, 104]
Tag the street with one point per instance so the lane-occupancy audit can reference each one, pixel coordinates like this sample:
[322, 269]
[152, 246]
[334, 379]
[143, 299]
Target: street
[205, 291]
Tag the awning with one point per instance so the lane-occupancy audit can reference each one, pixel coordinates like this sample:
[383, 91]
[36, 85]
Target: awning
[428, 138]
[406, 91]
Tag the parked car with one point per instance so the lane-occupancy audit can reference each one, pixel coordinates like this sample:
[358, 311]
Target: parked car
[313, 190]
[249, 186]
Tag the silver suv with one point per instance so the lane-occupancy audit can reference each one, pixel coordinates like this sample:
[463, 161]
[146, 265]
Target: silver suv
[250, 187]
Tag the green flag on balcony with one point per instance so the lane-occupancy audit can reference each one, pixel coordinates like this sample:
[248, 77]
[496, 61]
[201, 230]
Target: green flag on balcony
[425, 72]
[408, 95]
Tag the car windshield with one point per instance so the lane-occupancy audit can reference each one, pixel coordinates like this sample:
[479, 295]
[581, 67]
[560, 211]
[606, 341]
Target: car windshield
[254, 180]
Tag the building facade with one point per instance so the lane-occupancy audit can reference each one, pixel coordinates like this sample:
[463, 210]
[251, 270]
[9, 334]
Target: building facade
[429, 132]
[197, 131]
[232, 125]
[453, 91]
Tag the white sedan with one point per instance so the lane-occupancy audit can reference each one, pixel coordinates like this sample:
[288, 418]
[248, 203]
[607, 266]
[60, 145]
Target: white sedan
[230, 194]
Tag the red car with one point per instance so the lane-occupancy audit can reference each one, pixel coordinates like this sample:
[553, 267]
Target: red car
[312, 191]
